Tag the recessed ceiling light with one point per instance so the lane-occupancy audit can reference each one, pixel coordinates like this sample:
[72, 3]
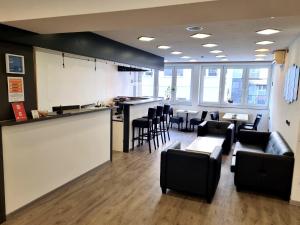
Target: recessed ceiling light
[259, 59]
[194, 28]
[216, 51]
[185, 57]
[200, 36]
[268, 31]
[209, 45]
[164, 47]
[265, 42]
[176, 53]
[193, 60]
[262, 50]
[260, 55]
[144, 38]
[221, 56]
[224, 59]
[166, 60]
[272, 17]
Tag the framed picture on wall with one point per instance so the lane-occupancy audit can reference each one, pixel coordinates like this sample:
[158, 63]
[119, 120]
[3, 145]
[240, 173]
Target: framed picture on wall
[14, 64]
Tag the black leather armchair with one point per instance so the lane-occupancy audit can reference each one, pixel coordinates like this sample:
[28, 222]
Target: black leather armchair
[224, 130]
[263, 162]
[190, 172]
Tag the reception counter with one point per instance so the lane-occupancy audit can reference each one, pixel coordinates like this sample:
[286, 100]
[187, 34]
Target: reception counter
[41, 155]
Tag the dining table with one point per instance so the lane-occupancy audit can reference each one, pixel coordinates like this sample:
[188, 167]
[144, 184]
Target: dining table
[235, 118]
[186, 112]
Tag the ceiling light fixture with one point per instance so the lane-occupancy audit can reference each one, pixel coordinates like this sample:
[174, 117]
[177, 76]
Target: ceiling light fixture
[200, 36]
[268, 31]
[185, 57]
[164, 47]
[259, 59]
[210, 45]
[176, 53]
[193, 60]
[194, 28]
[166, 60]
[147, 39]
[221, 56]
[260, 55]
[265, 42]
[224, 59]
[262, 50]
[216, 51]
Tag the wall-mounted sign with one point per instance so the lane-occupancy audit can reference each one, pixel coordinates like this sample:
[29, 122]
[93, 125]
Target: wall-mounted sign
[19, 111]
[15, 89]
[15, 64]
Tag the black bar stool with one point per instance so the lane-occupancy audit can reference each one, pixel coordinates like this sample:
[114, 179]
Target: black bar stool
[144, 123]
[165, 121]
[157, 122]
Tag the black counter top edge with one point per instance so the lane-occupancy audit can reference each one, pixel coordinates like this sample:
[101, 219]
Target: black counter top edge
[13, 122]
[144, 101]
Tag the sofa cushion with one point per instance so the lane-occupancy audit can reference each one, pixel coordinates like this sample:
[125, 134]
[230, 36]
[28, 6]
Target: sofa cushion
[278, 146]
[217, 128]
[247, 147]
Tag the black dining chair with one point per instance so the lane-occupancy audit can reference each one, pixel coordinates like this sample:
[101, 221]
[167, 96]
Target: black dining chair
[175, 119]
[215, 116]
[251, 126]
[196, 121]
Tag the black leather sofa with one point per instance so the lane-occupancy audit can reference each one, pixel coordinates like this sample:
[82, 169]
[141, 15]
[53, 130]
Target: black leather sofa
[190, 172]
[224, 130]
[263, 161]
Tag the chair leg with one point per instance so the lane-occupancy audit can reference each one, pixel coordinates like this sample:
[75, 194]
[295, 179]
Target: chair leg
[164, 129]
[143, 135]
[133, 129]
[139, 138]
[152, 136]
[164, 190]
[156, 134]
[161, 134]
[148, 138]
[167, 132]
[178, 124]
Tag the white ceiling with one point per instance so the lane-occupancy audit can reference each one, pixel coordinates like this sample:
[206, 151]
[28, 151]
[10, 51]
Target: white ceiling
[232, 23]
[236, 38]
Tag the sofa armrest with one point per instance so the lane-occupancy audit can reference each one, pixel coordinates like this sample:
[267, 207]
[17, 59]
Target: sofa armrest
[163, 168]
[254, 137]
[202, 129]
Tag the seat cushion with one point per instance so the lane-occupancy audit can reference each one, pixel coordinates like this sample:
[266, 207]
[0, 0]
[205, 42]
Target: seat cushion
[217, 128]
[141, 122]
[246, 147]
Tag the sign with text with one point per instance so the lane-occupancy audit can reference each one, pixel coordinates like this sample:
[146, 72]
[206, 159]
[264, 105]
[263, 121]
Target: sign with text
[15, 89]
[19, 111]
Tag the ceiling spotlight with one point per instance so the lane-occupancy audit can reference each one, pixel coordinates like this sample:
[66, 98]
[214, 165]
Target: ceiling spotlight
[163, 47]
[262, 50]
[259, 59]
[194, 28]
[221, 56]
[216, 51]
[265, 42]
[209, 45]
[143, 38]
[193, 60]
[166, 60]
[200, 36]
[176, 53]
[260, 55]
[268, 31]
[224, 59]
[185, 57]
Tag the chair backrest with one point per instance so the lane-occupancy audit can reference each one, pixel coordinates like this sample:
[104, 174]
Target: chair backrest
[215, 116]
[203, 116]
[171, 112]
[159, 111]
[256, 121]
[151, 113]
[166, 109]
[217, 127]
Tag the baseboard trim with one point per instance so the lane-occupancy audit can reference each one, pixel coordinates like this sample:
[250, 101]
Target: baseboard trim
[295, 203]
[66, 185]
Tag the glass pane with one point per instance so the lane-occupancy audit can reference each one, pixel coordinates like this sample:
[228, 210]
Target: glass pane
[165, 83]
[258, 86]
[183, 84]
[233, 86]
[211, 84]
[147, 84]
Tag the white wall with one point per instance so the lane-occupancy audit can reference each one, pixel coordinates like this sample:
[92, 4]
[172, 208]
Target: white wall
[280, 111]
[77, 83]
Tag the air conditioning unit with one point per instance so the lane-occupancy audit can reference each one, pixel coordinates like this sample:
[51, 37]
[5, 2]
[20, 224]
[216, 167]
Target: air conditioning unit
[279, 56]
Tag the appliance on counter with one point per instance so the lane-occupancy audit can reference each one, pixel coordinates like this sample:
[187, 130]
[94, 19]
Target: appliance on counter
[119, 99]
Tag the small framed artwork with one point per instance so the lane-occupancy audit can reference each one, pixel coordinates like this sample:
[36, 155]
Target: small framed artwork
[15, 64]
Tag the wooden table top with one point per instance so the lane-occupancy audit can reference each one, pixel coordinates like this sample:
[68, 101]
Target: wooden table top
[205, 145]
[187, 111]
[241, 117]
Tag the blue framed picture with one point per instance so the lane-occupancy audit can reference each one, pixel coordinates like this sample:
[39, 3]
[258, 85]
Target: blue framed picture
[15, 64]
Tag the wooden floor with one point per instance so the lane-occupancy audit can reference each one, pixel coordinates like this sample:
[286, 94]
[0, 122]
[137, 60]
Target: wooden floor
[128, 192]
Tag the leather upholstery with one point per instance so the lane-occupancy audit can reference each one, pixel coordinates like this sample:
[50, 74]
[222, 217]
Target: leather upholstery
[218, 129]
[190, 172]
[263, 162]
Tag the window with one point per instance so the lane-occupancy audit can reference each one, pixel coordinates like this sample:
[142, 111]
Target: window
[241, 85]
[233, 85]
[147, 84]
[183, 84]
[211, 85]
[165, 83]
[258, 86]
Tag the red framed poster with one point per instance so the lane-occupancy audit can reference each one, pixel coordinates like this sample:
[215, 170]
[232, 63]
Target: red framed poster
[19, 111]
